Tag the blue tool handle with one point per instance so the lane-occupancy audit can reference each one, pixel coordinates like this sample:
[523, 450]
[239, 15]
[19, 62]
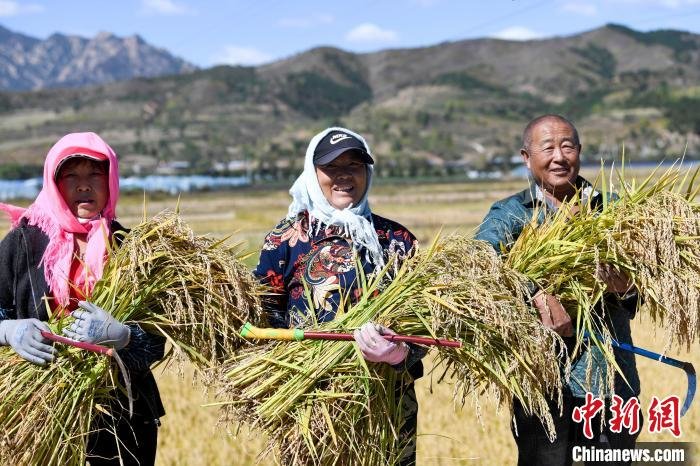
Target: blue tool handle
[648, 354]
[686, 366]
[644, 352]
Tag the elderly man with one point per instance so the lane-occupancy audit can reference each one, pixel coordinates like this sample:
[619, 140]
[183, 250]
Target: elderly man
[551, 151]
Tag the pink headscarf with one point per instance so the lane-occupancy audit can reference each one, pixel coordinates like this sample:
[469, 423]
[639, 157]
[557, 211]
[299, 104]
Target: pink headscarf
[51, 214]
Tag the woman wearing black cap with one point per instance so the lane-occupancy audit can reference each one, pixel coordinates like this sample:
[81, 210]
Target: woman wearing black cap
[328, 229]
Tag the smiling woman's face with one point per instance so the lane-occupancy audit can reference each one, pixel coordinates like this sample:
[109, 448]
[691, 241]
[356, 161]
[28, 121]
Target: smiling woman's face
[83, 183]
[344, 180]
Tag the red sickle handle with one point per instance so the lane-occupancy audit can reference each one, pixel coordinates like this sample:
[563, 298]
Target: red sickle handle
[297, 334]
[78, 344]
[392, 338]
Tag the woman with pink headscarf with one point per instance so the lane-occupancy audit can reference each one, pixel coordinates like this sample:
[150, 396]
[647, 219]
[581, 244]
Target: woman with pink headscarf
[53, 255]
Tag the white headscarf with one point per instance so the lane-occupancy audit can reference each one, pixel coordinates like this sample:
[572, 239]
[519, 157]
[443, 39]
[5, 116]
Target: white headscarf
[356, 220]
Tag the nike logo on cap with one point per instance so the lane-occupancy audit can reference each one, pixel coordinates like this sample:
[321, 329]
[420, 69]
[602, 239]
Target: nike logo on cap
[336, 138]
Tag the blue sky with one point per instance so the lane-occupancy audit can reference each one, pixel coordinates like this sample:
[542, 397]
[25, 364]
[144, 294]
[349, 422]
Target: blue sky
[250, 32]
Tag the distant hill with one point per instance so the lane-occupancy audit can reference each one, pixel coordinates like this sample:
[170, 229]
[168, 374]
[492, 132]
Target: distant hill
[454, 107]
[73, 61]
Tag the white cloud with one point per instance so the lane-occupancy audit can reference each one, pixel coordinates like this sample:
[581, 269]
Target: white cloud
[426, 3]
[318, 19]
[371, 33]
[165, 7]
[13, 8]
[237, 55]
[579, 8]
[517, 33]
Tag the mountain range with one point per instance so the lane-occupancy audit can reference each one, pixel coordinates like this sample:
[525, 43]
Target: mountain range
[447, 108]
[72, 61]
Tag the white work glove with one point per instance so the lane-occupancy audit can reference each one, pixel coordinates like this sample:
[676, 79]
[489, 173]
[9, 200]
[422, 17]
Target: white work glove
[24, 336]
[375, 348]
[95, 325]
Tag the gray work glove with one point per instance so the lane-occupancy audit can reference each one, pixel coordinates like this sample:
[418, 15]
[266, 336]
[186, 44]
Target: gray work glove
[24, 336]
[95, 325]
[375, 348]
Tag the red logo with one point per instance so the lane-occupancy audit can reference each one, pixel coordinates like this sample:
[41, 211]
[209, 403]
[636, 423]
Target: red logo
[665, 414]
[587, 412]
[625, 415]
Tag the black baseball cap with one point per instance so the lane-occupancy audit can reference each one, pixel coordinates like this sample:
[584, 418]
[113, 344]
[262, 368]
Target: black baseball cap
[336, 143]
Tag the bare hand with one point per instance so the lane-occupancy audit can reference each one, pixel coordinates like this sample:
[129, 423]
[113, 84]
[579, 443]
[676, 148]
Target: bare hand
[552, 314]
[615, 280]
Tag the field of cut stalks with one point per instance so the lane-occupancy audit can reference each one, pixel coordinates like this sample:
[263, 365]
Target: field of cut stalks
[448, 435]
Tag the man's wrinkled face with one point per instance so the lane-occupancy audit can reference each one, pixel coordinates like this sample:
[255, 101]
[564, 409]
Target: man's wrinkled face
[553, 157]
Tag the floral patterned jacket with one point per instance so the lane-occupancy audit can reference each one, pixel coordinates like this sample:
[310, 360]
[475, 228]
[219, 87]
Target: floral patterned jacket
[322, 258]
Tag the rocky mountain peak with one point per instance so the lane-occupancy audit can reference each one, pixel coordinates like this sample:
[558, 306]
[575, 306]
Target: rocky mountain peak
[69, 61]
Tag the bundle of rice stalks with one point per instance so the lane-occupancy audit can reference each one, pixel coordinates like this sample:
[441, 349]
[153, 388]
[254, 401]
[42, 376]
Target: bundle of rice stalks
[321, 403]
[192, 290]
[651, 233]
[562, 253]
[656, 228]
[506, 351]
[44, 412]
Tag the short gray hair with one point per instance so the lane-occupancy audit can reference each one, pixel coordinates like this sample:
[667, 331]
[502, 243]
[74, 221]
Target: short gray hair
[527, 133]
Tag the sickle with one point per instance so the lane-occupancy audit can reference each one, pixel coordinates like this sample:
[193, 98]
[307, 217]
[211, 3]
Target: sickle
[687, 367]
